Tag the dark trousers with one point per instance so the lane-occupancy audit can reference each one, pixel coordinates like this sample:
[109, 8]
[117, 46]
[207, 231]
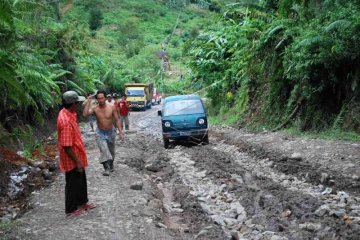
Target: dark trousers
[75, 190]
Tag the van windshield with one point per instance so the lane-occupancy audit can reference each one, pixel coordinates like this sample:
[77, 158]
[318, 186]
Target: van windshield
[135, 92]
[192, 106]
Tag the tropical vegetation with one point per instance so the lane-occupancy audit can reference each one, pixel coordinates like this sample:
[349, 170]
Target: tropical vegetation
[48, 47]
[260, 63]
[273, 63]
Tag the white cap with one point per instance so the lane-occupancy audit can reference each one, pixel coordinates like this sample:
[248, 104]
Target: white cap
[72, 97]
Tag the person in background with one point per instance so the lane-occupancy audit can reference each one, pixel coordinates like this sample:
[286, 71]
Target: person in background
[92, 117]
[106, 115]
[73, 160]
[123, 109]
[109, 100]
[115, 97]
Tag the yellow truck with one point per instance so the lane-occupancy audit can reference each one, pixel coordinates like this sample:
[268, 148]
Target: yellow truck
[139, 95]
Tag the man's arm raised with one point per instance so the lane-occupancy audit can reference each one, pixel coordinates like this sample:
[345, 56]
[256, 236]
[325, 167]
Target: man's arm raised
[87, 109]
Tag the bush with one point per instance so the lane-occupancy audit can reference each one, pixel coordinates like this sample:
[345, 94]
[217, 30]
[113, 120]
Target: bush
[95, 19]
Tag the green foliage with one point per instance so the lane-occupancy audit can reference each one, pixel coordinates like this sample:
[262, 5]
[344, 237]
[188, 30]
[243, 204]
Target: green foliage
[176, 3]
[27, 78]
[95, 19]
[26, 138]
[4, 136]
[8, 226]
[137, 31]
[282, 51]
[38, 60]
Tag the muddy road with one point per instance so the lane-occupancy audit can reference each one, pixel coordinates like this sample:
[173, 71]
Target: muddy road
[240, 186]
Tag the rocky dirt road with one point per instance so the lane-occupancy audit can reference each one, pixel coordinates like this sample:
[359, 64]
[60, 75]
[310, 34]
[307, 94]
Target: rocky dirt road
[240, 186]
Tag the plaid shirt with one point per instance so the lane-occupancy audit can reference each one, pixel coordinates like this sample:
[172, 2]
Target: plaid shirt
[69, 135]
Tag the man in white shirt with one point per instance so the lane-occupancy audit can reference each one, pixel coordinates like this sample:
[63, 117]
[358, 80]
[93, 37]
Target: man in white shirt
[109, 100]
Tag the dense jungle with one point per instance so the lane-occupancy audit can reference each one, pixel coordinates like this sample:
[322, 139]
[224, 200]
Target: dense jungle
[261, 64]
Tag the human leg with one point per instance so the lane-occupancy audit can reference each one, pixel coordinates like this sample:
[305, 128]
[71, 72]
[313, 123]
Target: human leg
[127, 123]
[105, 154]
[83, 193]
[111, 146]
[122, 121]
[75, 190]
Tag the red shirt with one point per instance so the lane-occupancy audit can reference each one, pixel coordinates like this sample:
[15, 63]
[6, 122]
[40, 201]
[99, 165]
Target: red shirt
[69, 135]
[123, 107]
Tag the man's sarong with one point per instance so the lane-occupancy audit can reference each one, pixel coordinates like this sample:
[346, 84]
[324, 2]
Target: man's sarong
[106, 142]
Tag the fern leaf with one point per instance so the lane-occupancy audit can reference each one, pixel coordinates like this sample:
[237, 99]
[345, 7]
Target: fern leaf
[275, 30]
[73, 86]
[6, 13]
[338, 25]
[310, 41]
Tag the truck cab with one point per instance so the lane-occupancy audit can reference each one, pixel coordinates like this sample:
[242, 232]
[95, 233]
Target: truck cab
[139, 95]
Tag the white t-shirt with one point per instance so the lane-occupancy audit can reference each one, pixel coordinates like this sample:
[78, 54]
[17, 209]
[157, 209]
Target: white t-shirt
[112, 103]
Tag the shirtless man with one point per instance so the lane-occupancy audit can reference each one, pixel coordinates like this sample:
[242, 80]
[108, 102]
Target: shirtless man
[105, 132]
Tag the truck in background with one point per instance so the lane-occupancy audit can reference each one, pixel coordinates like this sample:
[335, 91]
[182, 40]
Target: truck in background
[139, 95]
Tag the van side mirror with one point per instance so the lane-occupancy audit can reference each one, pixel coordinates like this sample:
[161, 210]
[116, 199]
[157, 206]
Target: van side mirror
[159, 113]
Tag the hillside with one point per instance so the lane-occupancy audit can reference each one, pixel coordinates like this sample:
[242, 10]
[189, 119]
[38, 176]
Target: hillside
[84, 45]
[132, 36]
[267, 65]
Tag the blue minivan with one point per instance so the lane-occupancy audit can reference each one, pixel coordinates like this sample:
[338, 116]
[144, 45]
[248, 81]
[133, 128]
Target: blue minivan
[184, 117]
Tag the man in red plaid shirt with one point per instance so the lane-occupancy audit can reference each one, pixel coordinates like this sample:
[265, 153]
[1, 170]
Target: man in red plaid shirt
[72, 155]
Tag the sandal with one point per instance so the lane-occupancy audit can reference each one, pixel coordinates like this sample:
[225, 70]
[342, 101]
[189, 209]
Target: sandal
[76, 213]
[88, 206]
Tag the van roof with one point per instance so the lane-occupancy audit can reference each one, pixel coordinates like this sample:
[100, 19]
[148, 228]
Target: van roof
[182, 97]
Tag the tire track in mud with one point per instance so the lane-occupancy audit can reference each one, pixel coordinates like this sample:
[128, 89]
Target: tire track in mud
[288, 210]
[278, 201]
[316, 165]
[181, 212]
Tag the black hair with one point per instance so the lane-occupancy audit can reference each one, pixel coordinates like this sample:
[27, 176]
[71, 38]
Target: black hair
[66, 105]
[100, 92]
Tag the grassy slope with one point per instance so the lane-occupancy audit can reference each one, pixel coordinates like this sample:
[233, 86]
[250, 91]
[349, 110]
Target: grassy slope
[155, 22]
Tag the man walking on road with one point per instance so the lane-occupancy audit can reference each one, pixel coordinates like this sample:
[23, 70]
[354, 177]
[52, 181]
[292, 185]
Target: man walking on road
[123, 108]
[105, 132]
[72, 156]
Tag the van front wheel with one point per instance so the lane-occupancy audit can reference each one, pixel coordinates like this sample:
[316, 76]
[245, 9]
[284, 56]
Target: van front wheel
[166, 143]
[206, 139]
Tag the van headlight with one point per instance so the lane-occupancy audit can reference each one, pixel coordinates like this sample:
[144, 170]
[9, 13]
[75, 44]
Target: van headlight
[167, 124]
[201, 121]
